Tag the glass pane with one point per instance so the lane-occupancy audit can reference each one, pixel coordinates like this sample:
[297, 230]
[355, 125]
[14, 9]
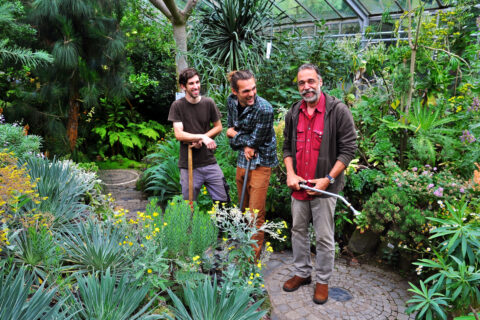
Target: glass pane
[351, 27]
[286, 19]
[320, 9]
[332, 28]
[429, 4]
[380, 6]
[294, 10]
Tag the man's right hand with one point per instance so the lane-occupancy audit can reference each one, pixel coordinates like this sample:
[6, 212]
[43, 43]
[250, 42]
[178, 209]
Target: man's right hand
[231, 132]
[210, 143]
[293, 181]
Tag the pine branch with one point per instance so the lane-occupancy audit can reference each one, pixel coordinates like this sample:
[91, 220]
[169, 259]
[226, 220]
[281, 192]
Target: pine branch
[25, 56]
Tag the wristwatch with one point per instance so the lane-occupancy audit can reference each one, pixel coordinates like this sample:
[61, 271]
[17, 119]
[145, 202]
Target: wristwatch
[329, 177]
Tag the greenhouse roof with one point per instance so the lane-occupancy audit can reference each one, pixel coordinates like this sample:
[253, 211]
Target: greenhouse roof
[301, 11]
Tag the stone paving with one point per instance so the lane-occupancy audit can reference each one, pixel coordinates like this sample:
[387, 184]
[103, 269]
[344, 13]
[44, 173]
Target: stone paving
[121, 184]
[355, 292]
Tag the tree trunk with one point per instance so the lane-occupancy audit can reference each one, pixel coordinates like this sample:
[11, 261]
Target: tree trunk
[72, 124]
[180, 36]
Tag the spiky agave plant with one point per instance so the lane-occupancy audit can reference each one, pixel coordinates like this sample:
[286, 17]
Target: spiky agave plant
[208, 301]
[18, 303]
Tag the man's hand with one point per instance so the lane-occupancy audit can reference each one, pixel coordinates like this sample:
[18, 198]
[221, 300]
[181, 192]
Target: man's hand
[293, 180]
[231, 132]
[320, 184]
[210, 143]
[196, 144]
[249, 153]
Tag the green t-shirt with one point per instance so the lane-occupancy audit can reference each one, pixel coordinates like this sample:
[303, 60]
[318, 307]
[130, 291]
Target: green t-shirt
[196, 119]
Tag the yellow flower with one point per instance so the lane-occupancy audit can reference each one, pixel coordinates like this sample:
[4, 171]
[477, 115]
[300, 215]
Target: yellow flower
[130, 243]
[148, 237]
[249, 282]
[149, 270]
[262, 285]
[119, 243]
[259, 265]
[165, 224]
[196, 258]
[224, 239]
[157, 229]
[172, 203]
[142, 245]
[257, 275]
[155, 214]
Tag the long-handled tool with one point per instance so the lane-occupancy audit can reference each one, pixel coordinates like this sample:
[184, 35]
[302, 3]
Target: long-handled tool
[304, 186]
[190, 175]
[244, 187]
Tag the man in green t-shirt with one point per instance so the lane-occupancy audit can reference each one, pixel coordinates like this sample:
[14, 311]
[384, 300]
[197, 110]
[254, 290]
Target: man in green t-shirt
[196, 121]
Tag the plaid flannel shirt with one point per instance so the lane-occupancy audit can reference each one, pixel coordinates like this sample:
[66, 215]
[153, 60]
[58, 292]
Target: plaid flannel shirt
[254, 129]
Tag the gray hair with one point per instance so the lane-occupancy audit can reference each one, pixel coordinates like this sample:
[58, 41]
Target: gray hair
[310, 66]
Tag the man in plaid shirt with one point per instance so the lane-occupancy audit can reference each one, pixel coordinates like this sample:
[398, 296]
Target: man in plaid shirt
[250, 129]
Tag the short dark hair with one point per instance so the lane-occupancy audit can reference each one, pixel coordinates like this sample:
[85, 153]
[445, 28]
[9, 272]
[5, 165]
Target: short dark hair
[186, 74]
[236, 75]
[310, 66]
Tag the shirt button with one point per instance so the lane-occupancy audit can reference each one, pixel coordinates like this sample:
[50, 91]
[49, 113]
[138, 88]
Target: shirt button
[308, 139]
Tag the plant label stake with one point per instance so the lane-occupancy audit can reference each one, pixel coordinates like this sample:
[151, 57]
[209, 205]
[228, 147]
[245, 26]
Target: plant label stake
[304, 186]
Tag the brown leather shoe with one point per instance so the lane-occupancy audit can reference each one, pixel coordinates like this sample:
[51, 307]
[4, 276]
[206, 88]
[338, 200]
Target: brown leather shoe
[295, 283]
[321, 293]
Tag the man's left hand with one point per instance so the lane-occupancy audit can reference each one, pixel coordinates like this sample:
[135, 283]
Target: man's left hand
[249, 153]
[320, 184]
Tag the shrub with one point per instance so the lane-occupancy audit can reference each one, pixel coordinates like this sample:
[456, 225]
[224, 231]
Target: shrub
[14, 138]
[184, 233]
[453, 266]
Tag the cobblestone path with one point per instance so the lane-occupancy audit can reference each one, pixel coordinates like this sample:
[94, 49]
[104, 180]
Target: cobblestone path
[355, 293]
[121, 184]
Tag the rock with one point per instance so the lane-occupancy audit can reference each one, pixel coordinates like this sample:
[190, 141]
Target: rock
[361, 243]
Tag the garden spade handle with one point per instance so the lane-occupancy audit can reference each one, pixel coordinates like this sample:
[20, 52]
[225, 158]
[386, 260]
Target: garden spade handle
[190, 174]
[304, 186]
[244, 187]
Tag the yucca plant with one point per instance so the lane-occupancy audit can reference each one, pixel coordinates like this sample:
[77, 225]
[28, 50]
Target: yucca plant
[37, 250]
[232, 32]
[208, 301]
[18, 303]
[94, 246]
[64, 187]
[101, 297]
